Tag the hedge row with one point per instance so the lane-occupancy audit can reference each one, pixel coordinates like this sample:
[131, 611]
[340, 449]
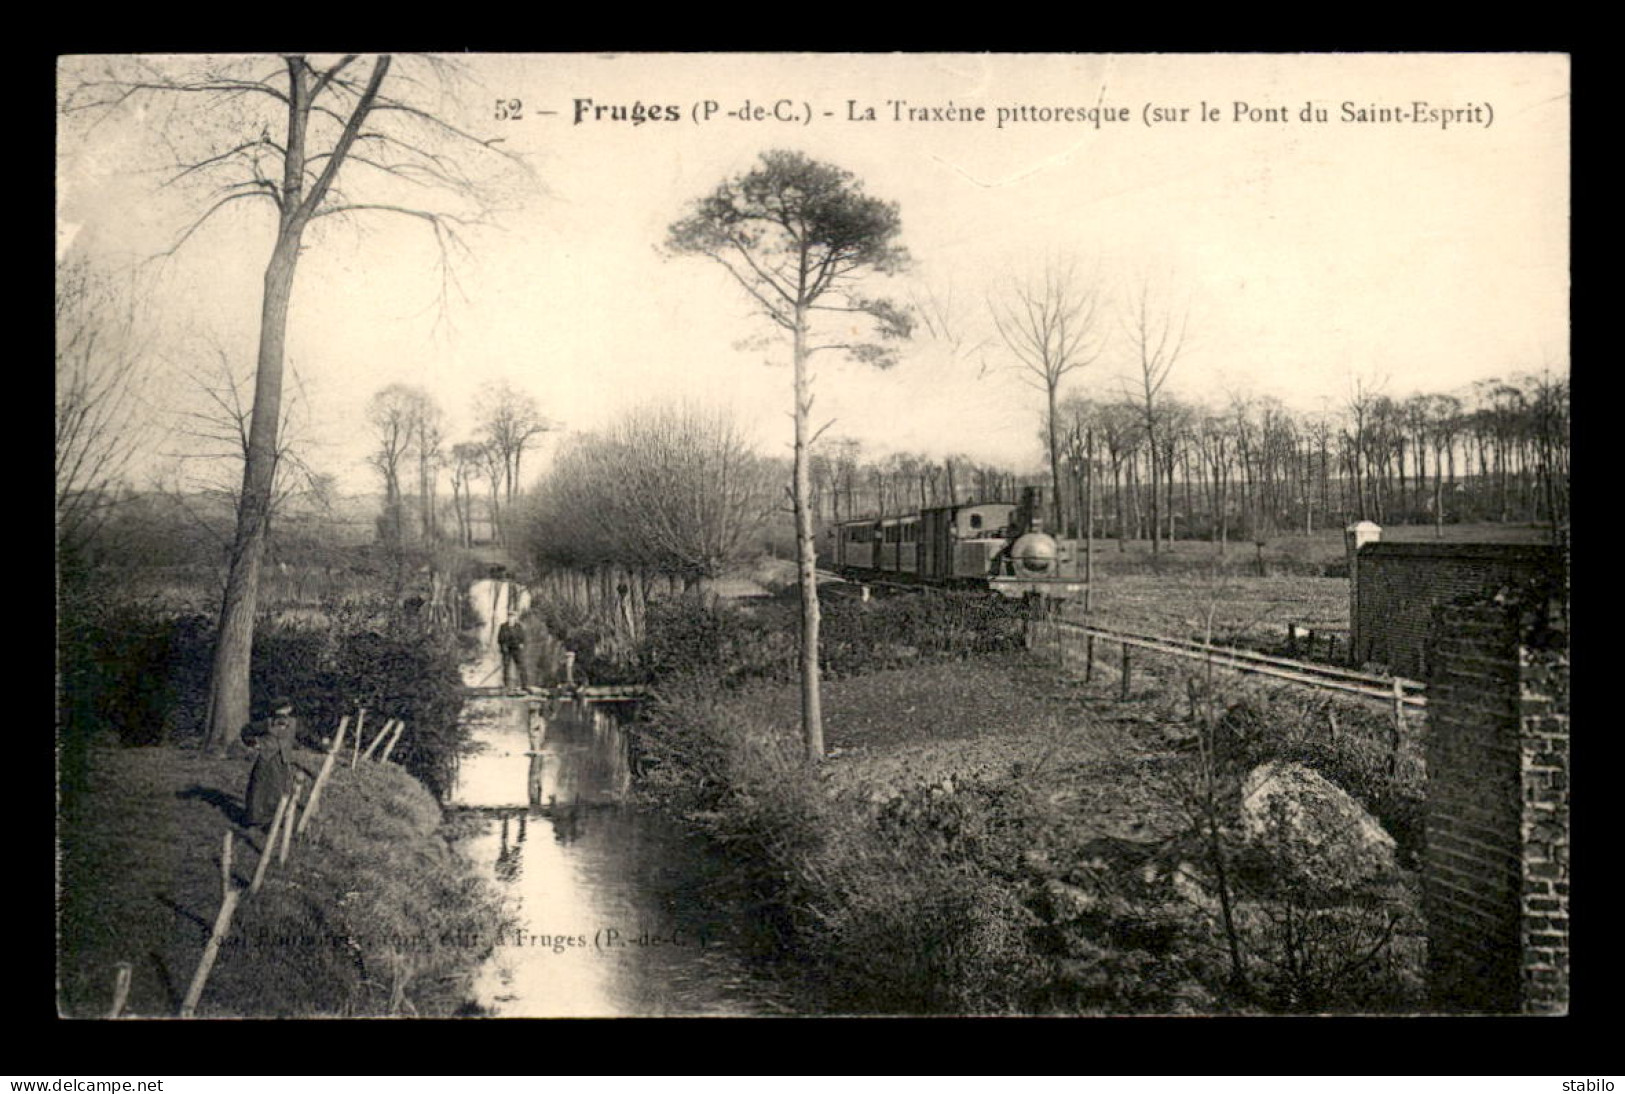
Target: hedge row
[732, 644]
[141, 675]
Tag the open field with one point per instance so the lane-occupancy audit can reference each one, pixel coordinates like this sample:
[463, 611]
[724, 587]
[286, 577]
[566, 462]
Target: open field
[1180, 593]
[1236, 610]
[1291, 552]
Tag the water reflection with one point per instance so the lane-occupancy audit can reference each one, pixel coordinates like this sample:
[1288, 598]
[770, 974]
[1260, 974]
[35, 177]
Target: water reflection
[616, 914]
[507, 863]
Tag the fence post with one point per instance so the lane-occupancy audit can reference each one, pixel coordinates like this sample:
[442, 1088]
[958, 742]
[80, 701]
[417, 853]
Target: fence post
[321, 776]
[355, 749]
[1292, 639]
[1398, 730]
[1128, 672]
[1088, 657]
[121, 988]
[222, 923]
[389, 724]
[270, 844]
[400, 724]
[293, 811]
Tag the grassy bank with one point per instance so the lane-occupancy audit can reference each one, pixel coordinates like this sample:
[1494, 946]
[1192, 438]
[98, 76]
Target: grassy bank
[989, 837]
[372, 914]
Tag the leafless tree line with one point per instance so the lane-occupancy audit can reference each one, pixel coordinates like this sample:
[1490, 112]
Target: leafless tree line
[99, 420]
[674, 491]
[409, 427]
[848, 486]
[1249, 467]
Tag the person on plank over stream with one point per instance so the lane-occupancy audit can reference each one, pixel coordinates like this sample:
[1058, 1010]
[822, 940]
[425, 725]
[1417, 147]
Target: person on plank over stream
[511, 640]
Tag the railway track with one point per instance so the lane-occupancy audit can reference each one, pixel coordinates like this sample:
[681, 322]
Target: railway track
[1397, 692]
[1393, 690]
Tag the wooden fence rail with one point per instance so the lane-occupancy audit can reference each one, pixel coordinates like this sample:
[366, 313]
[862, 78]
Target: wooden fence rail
[1391, 690]
[288, 820]
[1394, 692]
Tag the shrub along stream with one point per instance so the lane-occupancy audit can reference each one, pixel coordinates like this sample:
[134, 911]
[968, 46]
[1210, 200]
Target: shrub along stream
[987, 838]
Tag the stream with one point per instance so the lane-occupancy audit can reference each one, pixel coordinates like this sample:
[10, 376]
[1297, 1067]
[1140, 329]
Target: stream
[616, 911]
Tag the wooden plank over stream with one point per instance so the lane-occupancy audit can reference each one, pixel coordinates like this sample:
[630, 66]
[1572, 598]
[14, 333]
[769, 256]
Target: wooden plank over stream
[597, 693]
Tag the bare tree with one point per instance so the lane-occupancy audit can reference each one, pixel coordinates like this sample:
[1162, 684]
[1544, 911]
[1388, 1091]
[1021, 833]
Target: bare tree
[394, 413]
[798, 236]
[1049, 325]
[99, 375]
[493, 463]
[465, 464]
[1362, 407]
[213, 443]
[280, 132]
[428, 437]
[1156, 330]
[1549, 404]
[509, 420]
[941, 317]
[844, 458]
[675, 490]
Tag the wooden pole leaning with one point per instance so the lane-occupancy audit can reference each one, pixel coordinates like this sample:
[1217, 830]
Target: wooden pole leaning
[389, 724]
[355, 748]
[400, 726]
[230, 895]
[321, 776]
[293, 811]
[121, 987]
[270, 843]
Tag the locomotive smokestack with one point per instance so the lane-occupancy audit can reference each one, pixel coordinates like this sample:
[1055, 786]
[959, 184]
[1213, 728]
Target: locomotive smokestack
[1029, 516]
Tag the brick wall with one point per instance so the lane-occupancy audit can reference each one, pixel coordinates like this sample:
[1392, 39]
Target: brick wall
[1495, 874]
[1399, 586]
[1544, 680]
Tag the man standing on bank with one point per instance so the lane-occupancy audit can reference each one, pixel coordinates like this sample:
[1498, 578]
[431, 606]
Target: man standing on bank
[511, 640]
[272, 774]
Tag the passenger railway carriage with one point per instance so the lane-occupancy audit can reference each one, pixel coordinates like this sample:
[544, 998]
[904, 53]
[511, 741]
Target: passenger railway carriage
[991, 544]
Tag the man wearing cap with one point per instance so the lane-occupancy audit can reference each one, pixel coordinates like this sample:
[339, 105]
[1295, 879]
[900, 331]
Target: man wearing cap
[511, 640]
[272, 774]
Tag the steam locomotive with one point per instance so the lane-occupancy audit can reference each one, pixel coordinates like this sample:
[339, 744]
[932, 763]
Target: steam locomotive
[996, 545]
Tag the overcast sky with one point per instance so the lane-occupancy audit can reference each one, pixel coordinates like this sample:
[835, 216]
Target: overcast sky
[1406, 253]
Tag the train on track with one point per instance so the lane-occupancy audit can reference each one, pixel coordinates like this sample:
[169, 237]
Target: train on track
[994, 545]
